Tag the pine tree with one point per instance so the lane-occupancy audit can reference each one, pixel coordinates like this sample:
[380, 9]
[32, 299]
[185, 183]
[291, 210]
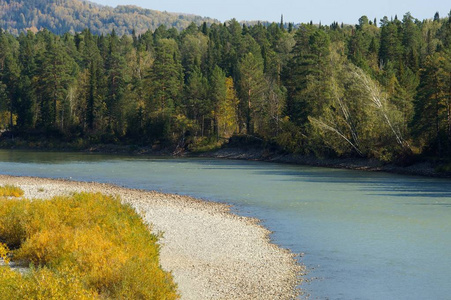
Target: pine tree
[115, 100]
[54, 76]
[252, 88]
[431, 118]
[199, 106]
[166, 86]
[391, 43]
[9, 78]
[304, 72]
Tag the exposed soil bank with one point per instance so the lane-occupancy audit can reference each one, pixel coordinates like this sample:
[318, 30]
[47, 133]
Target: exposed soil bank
[212, 253]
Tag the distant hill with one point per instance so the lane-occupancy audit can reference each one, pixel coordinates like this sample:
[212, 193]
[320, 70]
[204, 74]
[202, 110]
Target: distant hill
[60, 16]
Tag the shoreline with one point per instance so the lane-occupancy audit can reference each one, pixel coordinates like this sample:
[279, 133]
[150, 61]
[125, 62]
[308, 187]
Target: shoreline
[425, 169]
[420, 168]
[211, 252]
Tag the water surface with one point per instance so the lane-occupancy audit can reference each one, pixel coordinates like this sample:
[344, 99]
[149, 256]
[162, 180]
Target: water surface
[364, 235]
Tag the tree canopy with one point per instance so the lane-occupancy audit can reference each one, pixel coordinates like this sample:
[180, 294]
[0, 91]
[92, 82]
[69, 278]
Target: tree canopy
[370, 90]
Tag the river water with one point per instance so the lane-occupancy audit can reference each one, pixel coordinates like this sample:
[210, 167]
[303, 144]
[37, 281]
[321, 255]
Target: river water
[363, 235]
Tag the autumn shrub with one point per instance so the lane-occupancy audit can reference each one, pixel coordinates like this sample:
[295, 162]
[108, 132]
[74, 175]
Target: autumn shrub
[12, 215]
[200, 144]
[10, 191]
[43, 283]
[92, 240]
[4, 251]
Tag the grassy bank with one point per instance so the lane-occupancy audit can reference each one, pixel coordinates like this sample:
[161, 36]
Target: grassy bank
[84, 246]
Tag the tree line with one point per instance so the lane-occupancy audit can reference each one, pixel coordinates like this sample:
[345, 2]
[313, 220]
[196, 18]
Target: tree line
[376, 90]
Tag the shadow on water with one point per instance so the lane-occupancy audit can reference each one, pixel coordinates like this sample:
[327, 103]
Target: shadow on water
[370, 183]
[375, 184]
[416, 195]
[431, 204]
[423, 188]
[27, 157]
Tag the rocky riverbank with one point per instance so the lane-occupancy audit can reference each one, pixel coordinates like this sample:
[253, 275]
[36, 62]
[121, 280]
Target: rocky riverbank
[212, 253]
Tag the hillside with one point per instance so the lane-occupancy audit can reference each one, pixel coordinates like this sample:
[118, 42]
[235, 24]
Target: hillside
[60, 16]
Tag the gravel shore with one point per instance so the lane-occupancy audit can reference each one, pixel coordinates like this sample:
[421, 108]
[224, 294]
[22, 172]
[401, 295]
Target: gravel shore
[212, 253]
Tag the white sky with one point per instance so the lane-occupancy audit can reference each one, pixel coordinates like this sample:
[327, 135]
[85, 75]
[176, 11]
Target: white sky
[297, 11]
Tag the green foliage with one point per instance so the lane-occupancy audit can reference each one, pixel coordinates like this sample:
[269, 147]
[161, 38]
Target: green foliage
[432, 121]
[252, 91]
[85, 246]
[328, 90]
[165, 80]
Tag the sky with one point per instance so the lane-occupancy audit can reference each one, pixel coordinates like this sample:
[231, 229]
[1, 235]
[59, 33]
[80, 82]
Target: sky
[297, 11]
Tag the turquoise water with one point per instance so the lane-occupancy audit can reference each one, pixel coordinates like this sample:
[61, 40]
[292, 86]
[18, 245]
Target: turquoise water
[363, 235]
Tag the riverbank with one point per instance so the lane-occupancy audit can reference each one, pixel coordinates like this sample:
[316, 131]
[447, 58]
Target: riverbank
[212, 253]
[423, 168]
[416, 167]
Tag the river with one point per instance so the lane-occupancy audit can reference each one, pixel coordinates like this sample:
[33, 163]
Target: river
[363, 235]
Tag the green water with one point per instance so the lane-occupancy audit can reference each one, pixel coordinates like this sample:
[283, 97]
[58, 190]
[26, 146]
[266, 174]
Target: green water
[363, 235]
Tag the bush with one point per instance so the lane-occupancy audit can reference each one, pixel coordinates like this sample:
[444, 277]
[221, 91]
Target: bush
[89, 243]
[4, 251]
[10, 191]
[43, 283]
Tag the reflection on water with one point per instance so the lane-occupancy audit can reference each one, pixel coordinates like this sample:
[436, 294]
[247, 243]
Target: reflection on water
[364, 235]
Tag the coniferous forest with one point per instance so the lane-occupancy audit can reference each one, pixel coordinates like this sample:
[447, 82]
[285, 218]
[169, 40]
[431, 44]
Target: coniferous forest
[378, 89]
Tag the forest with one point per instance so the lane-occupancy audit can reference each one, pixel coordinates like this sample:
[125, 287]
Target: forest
[376, 89]
[61, 16]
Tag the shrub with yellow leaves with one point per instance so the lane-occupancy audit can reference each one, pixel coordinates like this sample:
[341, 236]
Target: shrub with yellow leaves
[10, 191]
[86, 242]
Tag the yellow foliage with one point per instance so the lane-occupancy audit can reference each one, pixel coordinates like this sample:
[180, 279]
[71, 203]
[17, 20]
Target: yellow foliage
[10, 283]
[227, 112]
[43, 283]
[4, 252]
[10, 191]
[12, 216]
[92, 240]
[5, 119]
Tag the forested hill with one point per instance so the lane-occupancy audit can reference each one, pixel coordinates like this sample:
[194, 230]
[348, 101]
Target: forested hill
[60, 16]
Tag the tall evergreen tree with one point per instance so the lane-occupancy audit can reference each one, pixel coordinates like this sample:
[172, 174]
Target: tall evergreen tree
[198, 104]
[55, 72]
[432, 106]
[252, 90]
[166, 86]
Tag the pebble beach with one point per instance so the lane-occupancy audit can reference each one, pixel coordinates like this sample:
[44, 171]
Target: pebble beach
[212, 253]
